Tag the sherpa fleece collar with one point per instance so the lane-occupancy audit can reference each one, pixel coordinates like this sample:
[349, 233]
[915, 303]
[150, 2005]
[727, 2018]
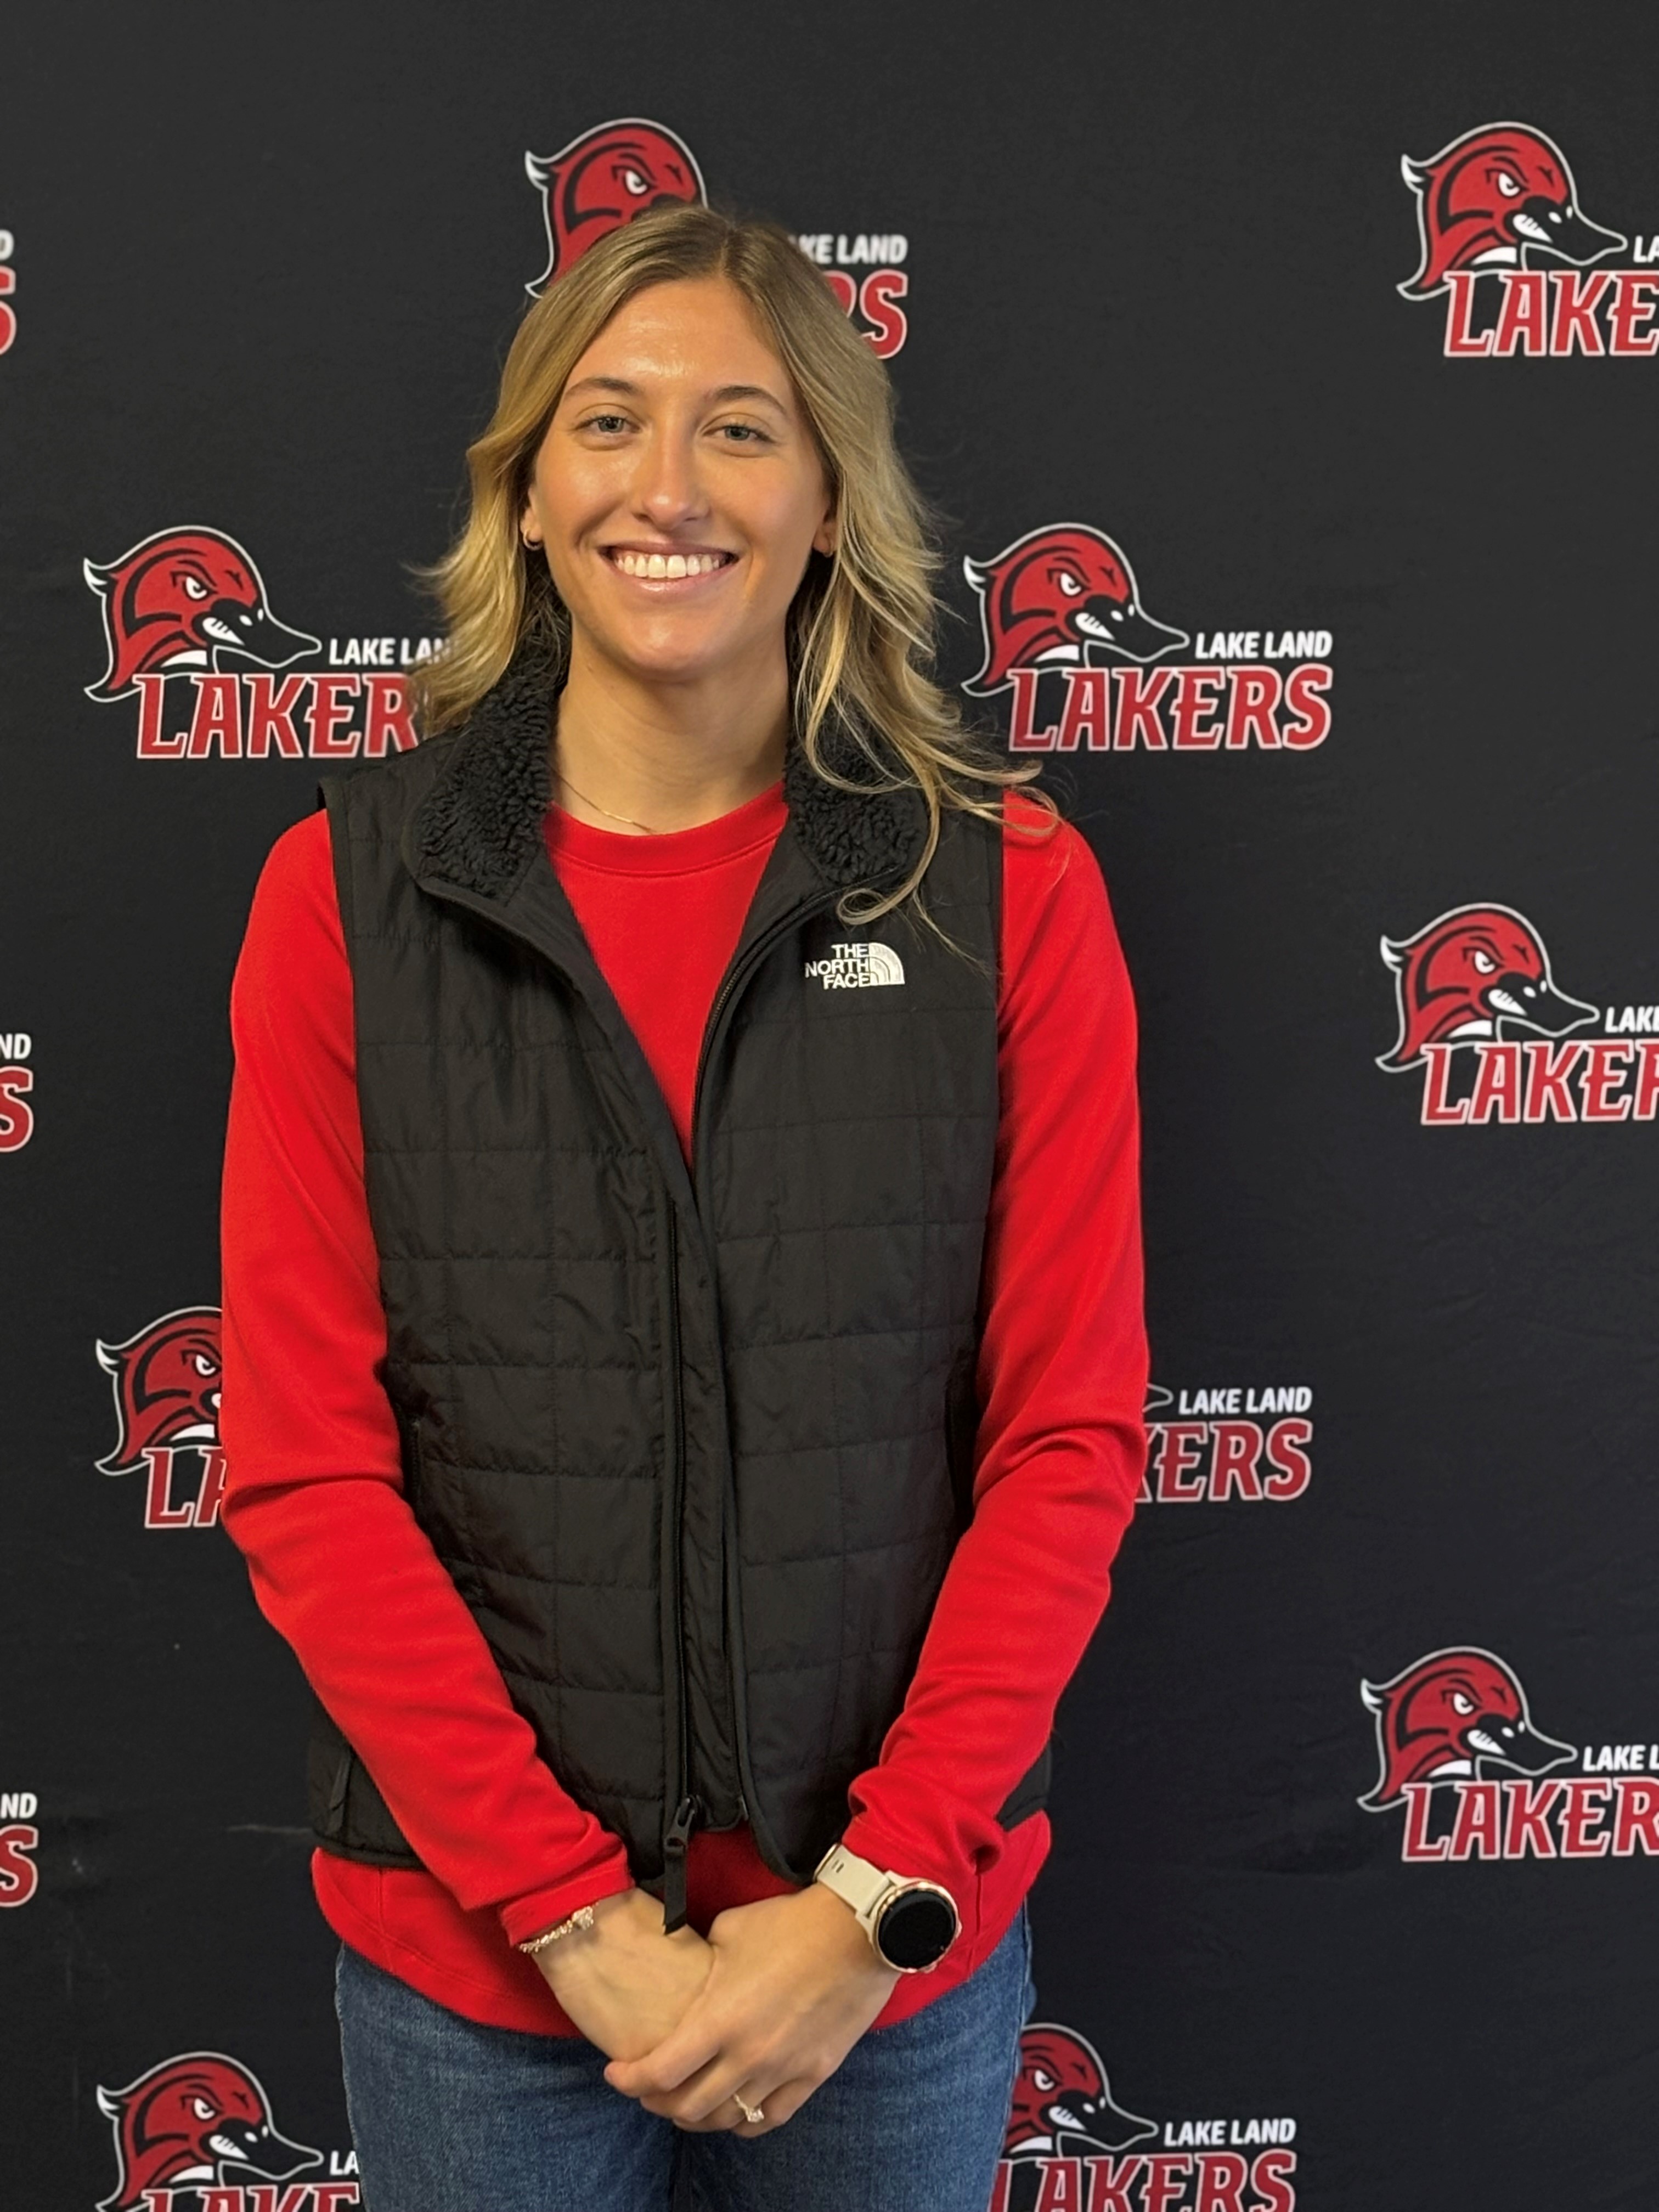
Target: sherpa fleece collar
[480, 825]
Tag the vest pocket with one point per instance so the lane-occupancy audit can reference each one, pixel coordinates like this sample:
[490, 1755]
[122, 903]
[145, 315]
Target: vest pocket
[961, 1433]
[329, 1761]
[435, 1494]
[408, 1436]
[348, 1816]
[1031, 1793]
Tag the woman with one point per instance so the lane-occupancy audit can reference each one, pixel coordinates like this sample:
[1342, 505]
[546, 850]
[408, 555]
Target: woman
[684, 1360]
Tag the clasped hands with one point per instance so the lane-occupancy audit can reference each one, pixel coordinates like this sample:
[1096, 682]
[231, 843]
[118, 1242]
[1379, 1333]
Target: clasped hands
[765, 2009]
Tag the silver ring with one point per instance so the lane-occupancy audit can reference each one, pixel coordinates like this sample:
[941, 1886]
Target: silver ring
[753, 2113]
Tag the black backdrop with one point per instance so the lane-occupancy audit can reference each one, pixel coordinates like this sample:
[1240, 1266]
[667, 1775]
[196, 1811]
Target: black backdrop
[260, 266]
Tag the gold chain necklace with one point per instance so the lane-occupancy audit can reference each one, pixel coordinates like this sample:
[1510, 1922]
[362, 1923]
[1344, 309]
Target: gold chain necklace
[627, 819]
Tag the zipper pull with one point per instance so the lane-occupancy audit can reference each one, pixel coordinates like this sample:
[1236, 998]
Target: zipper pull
[676, 1838]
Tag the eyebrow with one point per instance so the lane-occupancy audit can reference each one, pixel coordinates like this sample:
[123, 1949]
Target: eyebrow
[719, 396]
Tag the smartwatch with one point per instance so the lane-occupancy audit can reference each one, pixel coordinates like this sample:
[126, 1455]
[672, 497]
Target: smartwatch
[911, 1924]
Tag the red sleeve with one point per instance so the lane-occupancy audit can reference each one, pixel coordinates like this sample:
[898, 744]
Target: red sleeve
[1062, 1383]
[314, 1496]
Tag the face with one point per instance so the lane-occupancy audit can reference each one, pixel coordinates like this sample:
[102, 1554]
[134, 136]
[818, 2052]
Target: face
[678, 493]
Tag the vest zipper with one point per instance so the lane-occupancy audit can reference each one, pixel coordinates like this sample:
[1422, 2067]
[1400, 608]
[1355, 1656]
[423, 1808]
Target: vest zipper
[678, 1832]
[735, 978]
[675, 1839]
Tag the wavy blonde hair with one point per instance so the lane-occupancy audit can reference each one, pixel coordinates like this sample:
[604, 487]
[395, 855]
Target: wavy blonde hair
[861, 629]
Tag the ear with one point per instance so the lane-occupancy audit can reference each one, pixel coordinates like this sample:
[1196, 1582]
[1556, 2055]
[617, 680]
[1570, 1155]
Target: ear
[827, 535]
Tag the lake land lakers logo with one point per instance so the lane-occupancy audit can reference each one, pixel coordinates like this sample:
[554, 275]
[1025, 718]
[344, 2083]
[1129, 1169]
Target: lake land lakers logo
[16, 1082]
[1087, 667]
[617, 171]
[1458, 1749]
[166, 1381]
[1071, 2147]
[1499, 204]
[183, 599]
[1480, 1015]
[190, 633]
[1249, 1441]
[189, 2133]
[20, 1839]
[602, 180]
[1063, 595]
[1062, 2099]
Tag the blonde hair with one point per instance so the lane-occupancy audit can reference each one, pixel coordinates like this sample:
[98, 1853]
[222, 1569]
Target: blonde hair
[862, 628]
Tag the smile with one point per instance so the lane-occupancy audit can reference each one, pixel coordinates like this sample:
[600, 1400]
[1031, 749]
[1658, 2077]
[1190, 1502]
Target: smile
[666, 567]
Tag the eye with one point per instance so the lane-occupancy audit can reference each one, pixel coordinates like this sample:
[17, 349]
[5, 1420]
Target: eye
[1069, 585]
[635, 183]
[1043, 2080]
[194, 588]
[742, 434]
[202, 2110]
[1483, 964]
[202, 1365]
[1460, 1704]
[1508, 186]
[607, 425]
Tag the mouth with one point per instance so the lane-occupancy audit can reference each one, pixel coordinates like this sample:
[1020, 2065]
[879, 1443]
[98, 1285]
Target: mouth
[1126, 629]
[1540, 1005]
[221, 632]
[691, 564]
[1091, 625]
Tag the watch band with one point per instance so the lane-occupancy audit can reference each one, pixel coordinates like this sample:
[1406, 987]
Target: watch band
[869, 1890]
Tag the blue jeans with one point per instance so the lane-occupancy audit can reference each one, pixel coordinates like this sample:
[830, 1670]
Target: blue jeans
[450, 2117]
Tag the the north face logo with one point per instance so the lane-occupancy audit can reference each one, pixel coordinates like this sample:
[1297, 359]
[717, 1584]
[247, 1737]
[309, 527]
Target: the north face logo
[857, 967]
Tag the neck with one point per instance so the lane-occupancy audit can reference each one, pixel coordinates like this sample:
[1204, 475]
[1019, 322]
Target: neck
[651, 757]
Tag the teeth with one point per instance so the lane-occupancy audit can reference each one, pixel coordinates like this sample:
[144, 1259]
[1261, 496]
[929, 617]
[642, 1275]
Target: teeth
[669, 566]
[1091, 625]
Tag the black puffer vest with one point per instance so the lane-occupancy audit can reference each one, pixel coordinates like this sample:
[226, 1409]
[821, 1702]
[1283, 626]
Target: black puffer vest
[694, 1446]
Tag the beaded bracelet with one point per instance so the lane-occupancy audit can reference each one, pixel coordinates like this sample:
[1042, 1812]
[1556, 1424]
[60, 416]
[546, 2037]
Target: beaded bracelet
[582, 1918]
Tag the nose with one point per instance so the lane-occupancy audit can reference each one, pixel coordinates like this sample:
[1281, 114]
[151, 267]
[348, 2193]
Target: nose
[667, 487]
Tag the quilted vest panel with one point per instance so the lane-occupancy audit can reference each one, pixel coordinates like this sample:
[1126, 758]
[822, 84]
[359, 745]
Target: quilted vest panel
[694, 1446]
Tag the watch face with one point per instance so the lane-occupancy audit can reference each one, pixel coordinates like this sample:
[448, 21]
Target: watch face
[917, 1929]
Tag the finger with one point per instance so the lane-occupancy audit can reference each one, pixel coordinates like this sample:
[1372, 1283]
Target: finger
[724, 2120]
[731, 2115]
[709, 2095]
[780, 2104]
[682, 2051]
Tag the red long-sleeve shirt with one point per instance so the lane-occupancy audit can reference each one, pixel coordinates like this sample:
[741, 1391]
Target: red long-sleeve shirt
[341, 1568]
